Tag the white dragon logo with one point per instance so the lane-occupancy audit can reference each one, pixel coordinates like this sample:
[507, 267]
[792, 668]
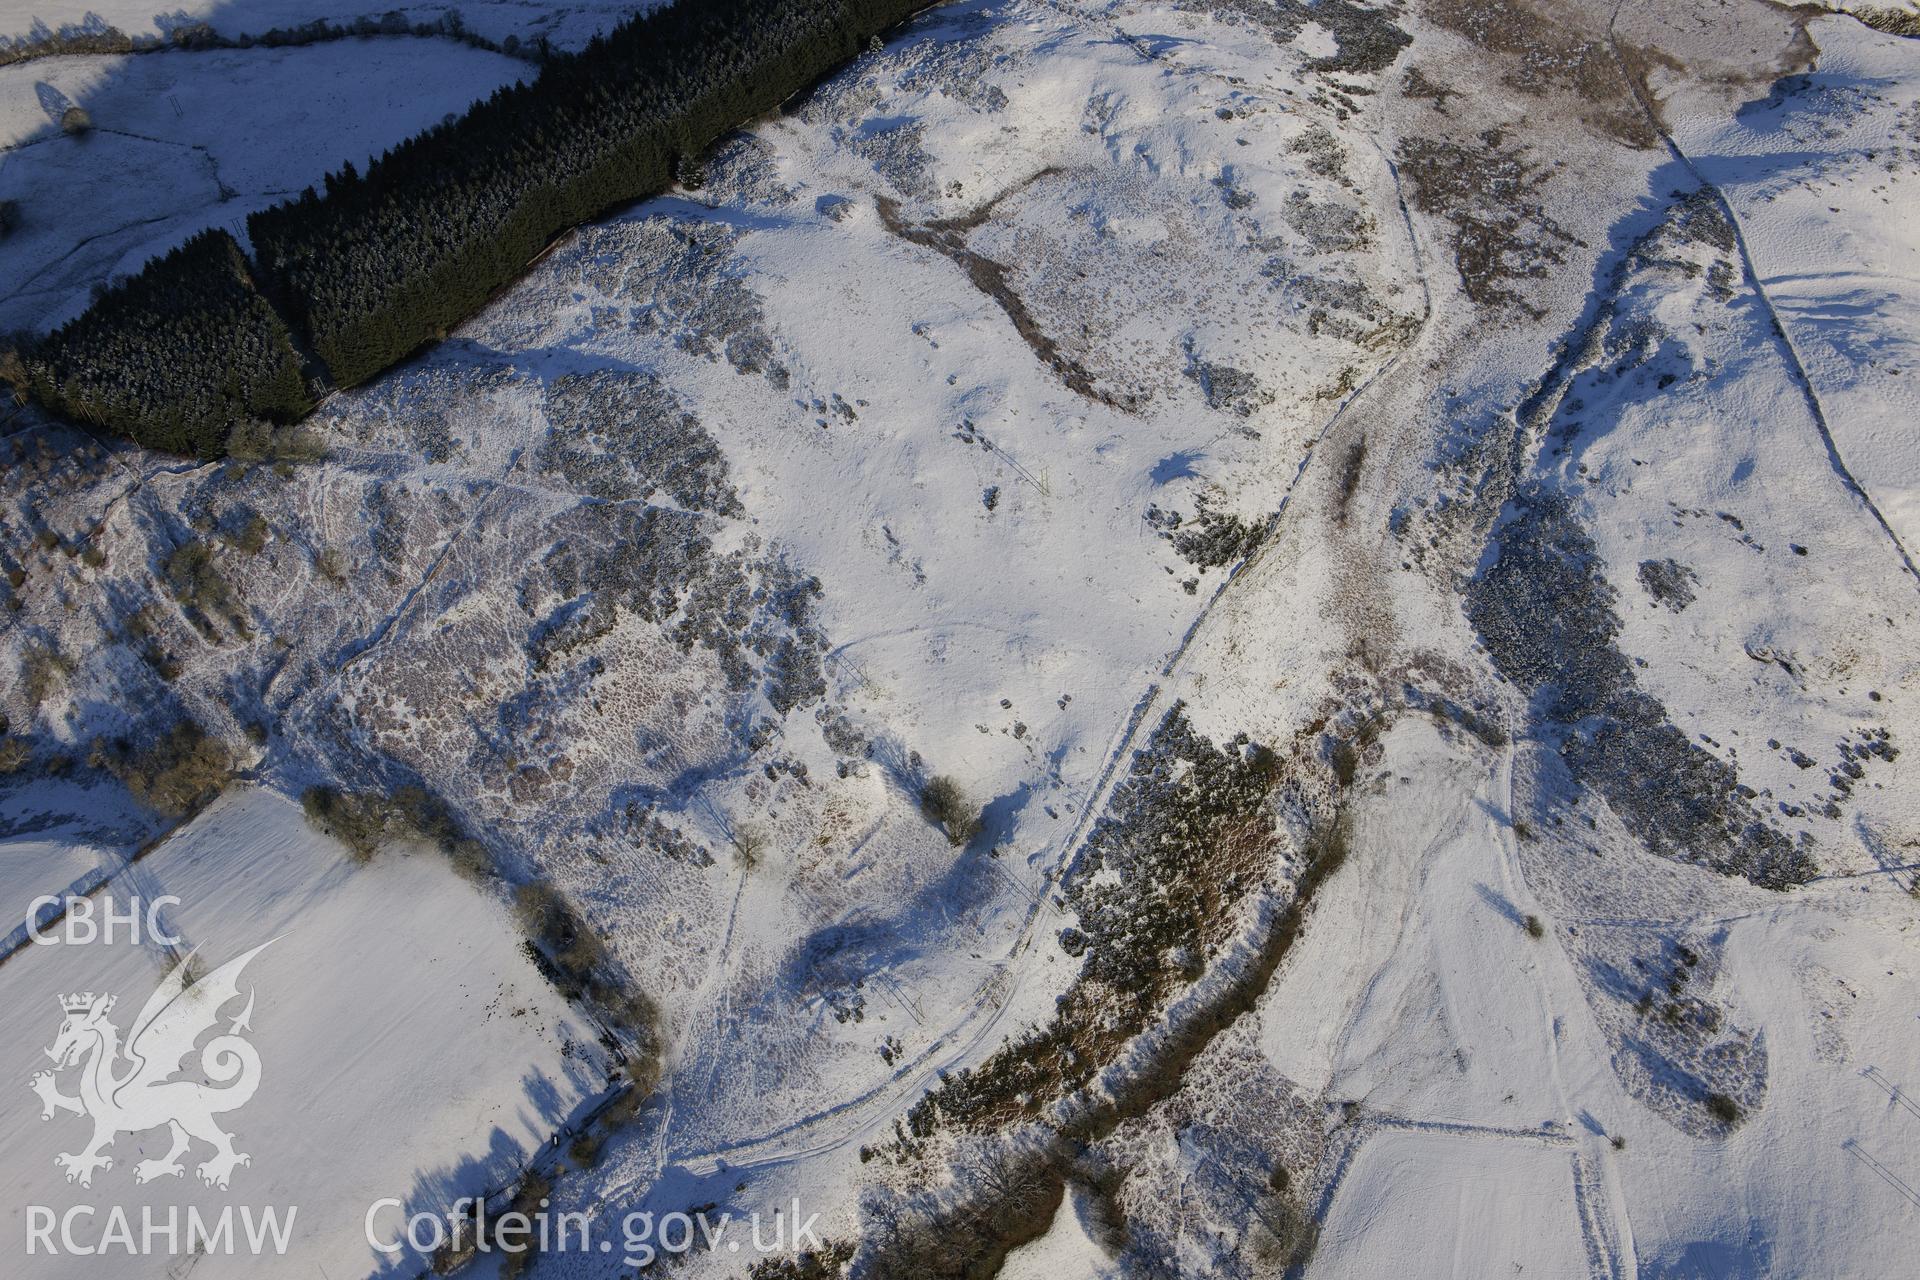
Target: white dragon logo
[144, 1095]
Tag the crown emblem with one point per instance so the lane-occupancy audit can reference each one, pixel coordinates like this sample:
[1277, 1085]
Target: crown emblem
[82, 1003]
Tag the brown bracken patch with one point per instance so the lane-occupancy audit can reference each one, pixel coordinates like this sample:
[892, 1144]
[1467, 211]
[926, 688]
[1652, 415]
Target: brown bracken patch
[1550, 48]
[948, 236]
[1489, 192]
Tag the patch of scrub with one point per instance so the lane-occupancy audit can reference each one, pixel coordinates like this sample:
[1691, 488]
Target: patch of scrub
[1546, 614]
[1676, 1043]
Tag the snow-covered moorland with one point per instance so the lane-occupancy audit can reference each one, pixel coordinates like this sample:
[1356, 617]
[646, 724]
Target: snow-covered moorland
[1140, 639]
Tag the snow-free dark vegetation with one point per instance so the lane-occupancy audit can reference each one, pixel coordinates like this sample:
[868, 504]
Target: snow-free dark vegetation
[178, 357]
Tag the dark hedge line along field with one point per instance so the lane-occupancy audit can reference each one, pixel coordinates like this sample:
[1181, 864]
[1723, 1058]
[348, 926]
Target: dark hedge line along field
[383, 262]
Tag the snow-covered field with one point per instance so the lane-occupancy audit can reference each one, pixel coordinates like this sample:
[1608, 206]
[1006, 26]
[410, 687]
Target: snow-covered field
[1454, 462]
[408, 1049]
[1492, 1091]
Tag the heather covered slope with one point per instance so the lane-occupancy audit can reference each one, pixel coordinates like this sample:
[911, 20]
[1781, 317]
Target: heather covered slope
[1407, 580]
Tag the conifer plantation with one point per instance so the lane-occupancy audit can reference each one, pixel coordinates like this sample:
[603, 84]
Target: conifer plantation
[379, 263]
[175, 356]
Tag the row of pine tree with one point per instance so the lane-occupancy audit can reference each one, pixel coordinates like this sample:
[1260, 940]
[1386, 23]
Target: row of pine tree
[380, 263]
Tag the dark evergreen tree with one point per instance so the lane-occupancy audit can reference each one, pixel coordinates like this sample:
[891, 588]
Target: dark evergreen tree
[390, 259]
[176, 356]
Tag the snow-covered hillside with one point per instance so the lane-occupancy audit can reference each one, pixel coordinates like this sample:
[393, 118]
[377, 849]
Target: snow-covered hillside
[1141, 638]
